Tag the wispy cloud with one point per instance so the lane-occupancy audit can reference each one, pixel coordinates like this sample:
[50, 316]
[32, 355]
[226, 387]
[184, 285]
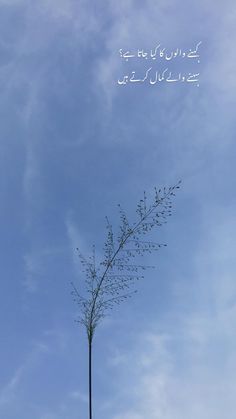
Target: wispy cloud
[58, 70]
[35, 263]
[33, 269]
[188, 372]
[78, 395]
[9, 392]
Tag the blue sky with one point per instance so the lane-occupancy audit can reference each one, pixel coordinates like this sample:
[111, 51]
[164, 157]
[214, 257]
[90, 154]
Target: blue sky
[74, 144]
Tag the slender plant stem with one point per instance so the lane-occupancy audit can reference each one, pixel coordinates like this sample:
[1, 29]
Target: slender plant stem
[90, 379]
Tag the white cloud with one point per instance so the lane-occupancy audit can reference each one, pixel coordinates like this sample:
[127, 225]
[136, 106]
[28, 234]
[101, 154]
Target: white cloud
[78, 395]
[191, 390]
[30, 61]
[221, 63]
[143, 26]
[189, 371]
[35, 262]
[9, 393]
[33, 269]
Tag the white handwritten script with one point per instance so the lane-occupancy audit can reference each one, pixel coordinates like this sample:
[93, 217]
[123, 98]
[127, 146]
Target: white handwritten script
[152, 75]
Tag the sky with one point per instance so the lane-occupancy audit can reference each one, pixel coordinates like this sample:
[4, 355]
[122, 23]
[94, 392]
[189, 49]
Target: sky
[75, 143]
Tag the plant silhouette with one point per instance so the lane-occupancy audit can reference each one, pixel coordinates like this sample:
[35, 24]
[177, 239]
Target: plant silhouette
[112, 280]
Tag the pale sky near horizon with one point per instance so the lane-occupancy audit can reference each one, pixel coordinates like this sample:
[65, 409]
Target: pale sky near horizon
[73, 145]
